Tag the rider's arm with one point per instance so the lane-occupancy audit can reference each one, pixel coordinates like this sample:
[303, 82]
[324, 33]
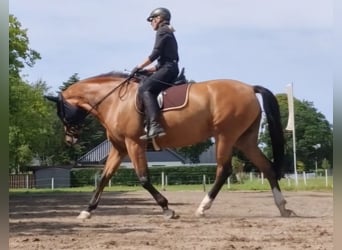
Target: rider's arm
[145, 63]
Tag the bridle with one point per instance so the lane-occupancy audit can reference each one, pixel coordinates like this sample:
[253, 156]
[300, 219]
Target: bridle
[73, 117]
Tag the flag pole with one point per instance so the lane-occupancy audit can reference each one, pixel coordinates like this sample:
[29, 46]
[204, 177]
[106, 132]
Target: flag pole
[291, 126]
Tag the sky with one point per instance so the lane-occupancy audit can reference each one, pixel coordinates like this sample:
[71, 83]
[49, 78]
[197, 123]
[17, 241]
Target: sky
[271, 43]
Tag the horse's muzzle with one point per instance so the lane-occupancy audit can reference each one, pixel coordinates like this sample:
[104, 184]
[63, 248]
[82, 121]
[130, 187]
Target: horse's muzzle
[70, 140]
[71, 135]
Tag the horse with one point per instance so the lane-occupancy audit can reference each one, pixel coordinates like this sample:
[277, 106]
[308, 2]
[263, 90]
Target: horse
[227, 110]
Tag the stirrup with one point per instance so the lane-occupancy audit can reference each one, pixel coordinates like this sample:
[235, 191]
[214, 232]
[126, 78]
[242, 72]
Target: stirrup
[147, 136]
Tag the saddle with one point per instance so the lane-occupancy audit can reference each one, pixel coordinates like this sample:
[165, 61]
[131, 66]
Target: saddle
[175, 97]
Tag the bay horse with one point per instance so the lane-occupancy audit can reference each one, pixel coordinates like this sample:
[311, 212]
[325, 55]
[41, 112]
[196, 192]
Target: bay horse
[227, 110]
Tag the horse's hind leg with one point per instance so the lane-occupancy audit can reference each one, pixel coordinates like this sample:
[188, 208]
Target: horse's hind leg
[112, 164]
[247, 143]
[137, 154]
[223, 170]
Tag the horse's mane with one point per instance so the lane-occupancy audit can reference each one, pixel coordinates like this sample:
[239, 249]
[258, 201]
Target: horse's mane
[114, 74]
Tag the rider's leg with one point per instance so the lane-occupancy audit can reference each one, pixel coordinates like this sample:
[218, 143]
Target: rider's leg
[148, 92]
[152, 112]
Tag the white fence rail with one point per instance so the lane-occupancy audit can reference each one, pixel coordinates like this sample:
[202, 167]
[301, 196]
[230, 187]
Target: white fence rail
[163, 180]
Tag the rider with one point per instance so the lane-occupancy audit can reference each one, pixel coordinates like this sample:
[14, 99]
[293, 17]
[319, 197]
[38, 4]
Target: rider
[165, 50]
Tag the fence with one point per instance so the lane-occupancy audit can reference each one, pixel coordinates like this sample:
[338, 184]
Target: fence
[21, 181]
[166, 179]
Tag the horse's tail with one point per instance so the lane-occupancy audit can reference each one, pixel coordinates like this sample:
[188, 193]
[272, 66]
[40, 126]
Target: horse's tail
[271, 108]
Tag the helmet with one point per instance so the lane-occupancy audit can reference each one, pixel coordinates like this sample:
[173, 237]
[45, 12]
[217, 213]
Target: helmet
[163, 12]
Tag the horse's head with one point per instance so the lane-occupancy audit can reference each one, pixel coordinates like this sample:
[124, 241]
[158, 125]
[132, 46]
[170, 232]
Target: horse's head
[71, 116]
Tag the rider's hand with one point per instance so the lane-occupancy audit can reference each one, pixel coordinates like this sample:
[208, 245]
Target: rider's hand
[134, 71]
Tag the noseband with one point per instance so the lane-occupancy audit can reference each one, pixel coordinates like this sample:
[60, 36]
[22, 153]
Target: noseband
[71, 116]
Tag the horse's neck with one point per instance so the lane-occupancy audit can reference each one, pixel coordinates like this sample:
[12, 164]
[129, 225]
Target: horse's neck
[102, 97]
[94, 93]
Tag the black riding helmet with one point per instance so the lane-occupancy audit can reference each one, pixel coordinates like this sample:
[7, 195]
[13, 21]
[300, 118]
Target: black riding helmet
[163, 12]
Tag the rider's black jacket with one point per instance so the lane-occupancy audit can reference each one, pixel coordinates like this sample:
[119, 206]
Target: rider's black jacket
[165, 47]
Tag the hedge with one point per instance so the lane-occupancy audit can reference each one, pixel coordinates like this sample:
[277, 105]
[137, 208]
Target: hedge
[127, 176]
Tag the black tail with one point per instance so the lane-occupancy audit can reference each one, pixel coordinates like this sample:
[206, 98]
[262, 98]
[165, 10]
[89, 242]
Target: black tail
[271, 108]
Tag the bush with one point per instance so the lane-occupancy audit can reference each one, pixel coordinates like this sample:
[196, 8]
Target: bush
[82, 177]
[127, 176]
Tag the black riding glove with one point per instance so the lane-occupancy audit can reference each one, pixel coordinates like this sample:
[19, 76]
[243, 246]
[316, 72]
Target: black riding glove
[135, 71]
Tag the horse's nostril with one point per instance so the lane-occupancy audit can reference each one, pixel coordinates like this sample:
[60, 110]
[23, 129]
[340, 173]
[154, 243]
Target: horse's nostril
[68, 142]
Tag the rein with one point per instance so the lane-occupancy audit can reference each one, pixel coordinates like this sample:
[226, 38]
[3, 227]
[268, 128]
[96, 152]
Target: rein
[108, 94]
[82, 115]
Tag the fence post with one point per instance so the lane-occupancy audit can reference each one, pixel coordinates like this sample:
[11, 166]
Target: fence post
[163, 180]
[326, 177]
[228, 182]
[27, 181]
[304, 178]
[52, 183]
[110, 182]
[250, 176]
[204, 181]
[262, 178]
[166, 181]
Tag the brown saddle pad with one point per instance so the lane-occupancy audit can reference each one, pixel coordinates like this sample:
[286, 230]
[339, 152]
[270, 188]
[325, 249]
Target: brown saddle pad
[175, 97]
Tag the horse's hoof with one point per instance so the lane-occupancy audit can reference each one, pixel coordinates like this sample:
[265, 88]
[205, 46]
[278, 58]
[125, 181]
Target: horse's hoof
[288, 213]
[170, 214]
[199, 213]
[84, 215]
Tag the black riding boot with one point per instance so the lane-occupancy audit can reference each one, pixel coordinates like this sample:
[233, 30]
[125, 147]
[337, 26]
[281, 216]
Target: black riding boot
[152, 113]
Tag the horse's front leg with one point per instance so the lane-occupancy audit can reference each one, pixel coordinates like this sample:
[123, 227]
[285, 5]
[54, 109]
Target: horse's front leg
[137, 155]
[112, 164]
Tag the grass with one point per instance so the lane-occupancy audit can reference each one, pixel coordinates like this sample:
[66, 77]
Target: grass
[313, 184]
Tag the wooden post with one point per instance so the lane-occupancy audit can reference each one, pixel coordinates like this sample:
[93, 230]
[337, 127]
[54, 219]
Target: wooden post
[163, 180]
[304, 178]
[52, 183]
[204, 181]
[27, 181]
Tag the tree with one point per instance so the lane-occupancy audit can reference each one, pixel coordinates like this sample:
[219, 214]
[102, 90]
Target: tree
[26, 109]
[193, 152]
[72, 79]
[20, 54]
[311, 129]
[238, 166]
[325, 164]
[29, 127]
[300, 167]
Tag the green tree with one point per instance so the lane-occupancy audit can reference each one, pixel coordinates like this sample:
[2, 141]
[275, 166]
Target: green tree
[72, 79]
[20, 54]
[193, 152]
[26, 109]
[35, 131]
[325, 164]
[29, 127]
[311, 129]
[238, 167]
[300, 167]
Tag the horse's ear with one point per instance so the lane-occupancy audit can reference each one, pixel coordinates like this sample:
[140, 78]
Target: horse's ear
[51, 98]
